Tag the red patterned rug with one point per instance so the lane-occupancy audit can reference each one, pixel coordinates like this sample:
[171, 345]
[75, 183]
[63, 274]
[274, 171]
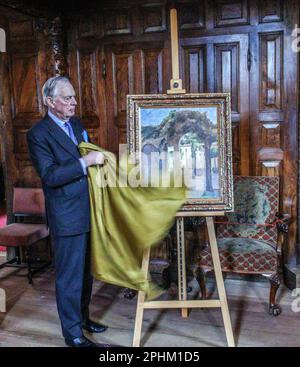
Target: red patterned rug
[2, 221]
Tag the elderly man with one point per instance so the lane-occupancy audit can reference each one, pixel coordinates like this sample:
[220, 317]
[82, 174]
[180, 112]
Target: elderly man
[53, 149]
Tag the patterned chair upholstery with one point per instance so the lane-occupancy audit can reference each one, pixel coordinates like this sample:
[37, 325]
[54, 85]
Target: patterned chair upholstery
[250, 238]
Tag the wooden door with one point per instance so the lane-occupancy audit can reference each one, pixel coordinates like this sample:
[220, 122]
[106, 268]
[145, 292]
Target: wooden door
[220, 64]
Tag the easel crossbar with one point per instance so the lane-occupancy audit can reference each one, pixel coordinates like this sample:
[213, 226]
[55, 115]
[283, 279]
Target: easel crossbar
[181, 304]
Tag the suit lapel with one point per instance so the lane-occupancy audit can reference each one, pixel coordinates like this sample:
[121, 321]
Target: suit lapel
[61, 137]
[77, 131]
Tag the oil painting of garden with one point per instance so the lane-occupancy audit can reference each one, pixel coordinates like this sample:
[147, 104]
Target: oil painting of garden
[192, 133]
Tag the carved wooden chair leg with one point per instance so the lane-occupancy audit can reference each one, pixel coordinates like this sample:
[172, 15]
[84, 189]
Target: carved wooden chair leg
[200, 276]
[274, 309]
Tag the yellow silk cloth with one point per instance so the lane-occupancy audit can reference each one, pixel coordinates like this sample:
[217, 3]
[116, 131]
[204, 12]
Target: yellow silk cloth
[125, 221]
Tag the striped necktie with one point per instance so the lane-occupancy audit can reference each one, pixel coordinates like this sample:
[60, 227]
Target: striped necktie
[71, 133]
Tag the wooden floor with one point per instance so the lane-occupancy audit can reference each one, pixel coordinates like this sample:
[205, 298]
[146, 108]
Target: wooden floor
[32, 318]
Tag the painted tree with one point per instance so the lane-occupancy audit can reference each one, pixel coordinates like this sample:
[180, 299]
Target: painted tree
[181, 122]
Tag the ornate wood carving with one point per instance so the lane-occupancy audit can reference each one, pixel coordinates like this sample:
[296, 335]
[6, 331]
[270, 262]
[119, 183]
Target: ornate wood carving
[53, 31]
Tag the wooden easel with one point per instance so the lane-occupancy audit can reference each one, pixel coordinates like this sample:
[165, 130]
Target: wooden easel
[2, 300]
[2, 291]
[183, 303]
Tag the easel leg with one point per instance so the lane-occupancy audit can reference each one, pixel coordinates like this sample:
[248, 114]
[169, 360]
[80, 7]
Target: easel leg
[219, 280]
[182, 291]
[140, 303]
[2, 300]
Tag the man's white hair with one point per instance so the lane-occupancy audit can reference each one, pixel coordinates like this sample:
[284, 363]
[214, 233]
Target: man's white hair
[50, 87]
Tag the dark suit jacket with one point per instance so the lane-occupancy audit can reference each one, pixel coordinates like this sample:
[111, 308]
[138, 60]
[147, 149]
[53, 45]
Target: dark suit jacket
[56, 159]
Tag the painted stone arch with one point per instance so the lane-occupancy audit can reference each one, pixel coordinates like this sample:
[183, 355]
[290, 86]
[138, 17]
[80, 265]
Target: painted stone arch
[187, 121]
[180, 123]
[2, 40]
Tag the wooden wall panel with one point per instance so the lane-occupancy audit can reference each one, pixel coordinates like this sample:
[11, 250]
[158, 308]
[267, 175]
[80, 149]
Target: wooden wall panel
[191, 15]
[22, 29]
[227, 72]
[230, 12]
[271, 11]
[87, 76]
[25, 74]
[154, 18]
[236, 151]
[33, 52]
[152, 61]
[117, 21]
[123, 82]
[217, 64]
[195, 69]
[271, 68]
[270, 134]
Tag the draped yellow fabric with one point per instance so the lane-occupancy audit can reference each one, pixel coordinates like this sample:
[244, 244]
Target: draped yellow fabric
[125, 221]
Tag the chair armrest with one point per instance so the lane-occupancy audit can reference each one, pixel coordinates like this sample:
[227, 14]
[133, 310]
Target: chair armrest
[282, 222]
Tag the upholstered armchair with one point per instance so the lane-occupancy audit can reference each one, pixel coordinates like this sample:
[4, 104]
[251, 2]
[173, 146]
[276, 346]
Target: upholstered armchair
[250, 239]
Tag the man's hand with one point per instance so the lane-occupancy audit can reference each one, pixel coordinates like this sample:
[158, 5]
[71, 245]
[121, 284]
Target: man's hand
[93, 158]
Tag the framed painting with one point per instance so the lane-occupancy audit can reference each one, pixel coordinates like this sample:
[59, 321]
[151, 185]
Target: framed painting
[187, 136]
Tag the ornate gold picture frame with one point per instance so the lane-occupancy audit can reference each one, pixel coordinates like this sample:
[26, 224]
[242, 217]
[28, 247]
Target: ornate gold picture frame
[197, 129]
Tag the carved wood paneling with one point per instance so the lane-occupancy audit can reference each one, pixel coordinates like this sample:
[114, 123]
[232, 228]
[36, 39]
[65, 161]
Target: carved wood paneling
[87, 78]
[22, 29]
[50, 32]
[195, 69]
[117, 21]
[123, 82]
[227, 72]
[153, 71]
[20, 141]
[85, 27]
[191, 15]
[271, 68]
[230, 12]
[154, 18]
[270, 134]
[236, 152]
[270, 11]
[27, 174]
[217, 64]
[26, 88]
[270, 161]
[119, 82]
